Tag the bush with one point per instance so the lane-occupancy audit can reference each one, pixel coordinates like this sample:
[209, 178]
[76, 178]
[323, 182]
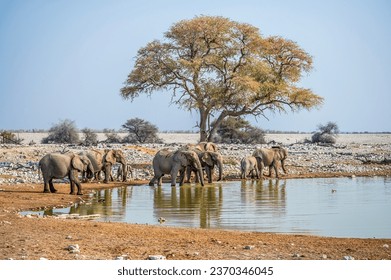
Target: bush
[112, 137]
[327, 133]
[140, 131]
[63, 132]
[7, 137]
[90, 137]
[238, 131]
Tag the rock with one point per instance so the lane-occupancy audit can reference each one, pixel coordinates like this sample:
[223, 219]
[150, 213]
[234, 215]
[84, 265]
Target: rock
[348, 258]
[248, 247]
[385, 246]
[156, 257]
[121, 258]
[74, 249]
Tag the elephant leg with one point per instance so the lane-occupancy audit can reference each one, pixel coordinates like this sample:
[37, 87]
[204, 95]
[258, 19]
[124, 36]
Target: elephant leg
[157, 177]
[79, 190]
[270, 168]
[72, 186]
[51, 186]
[260, 169]
[45, 186]
[252, 174]
[256, 172]
[107, 172]
[188, 174]
[181, 177]
[200, 174]
[283, 166]
[97, 176]
[196, 178]
[275, 167]
[124, 172]
[174, 174]
[152, 182]
[75, 181]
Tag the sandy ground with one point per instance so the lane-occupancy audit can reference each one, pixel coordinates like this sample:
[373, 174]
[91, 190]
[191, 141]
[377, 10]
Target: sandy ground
[33, 238]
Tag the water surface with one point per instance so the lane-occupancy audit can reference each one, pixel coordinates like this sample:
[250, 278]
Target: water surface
[340, 207]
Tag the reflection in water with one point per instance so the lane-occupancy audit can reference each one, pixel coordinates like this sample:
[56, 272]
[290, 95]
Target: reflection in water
[292, 206]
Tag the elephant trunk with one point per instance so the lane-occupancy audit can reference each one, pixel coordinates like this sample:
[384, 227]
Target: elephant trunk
[90, 171]
[200, 174]
[122, 160]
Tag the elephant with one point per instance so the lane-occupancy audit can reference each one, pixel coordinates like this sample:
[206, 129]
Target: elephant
[58, 166]
[104, 160]
[271, 157]
[122, 173]
[249, 165]
[172, 162]
[111, 157]
[208, 161]
[203, 146]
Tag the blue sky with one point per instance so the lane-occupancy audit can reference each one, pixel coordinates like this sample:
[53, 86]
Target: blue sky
[66, 59]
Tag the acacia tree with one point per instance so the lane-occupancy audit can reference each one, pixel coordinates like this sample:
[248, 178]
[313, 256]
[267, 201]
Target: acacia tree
[222, 68]
[141, 131]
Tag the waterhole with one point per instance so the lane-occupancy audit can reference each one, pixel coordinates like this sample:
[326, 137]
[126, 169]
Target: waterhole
[339, 207]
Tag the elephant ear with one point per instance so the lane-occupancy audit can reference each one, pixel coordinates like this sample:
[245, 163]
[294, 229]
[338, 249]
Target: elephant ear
[182, 157]
[77, 163]
[207, 158]
[257, 154]
[210, 146]
[281, 152]
[109, 157]
[190, 157]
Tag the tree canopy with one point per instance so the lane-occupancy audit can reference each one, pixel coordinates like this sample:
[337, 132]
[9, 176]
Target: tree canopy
[141, 131]
[222, 68]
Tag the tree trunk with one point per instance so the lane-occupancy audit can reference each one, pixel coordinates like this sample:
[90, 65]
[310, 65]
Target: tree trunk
[203, 125]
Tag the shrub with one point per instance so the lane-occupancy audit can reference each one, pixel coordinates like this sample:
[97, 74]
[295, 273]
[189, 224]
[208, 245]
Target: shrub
[326, 133]
[238, 131]
[112, 136]
[90, 137]
[7, 137]
[140, 131]
[63, 132]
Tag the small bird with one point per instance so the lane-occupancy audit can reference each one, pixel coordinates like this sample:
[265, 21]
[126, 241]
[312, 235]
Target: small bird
[161, 220]
[333, 190]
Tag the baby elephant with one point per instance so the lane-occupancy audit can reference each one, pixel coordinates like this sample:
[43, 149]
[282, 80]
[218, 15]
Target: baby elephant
[249, 165]
[122, 174]
[58, 166]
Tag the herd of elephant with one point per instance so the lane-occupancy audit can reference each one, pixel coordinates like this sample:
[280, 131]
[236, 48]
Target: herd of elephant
[89, 163]
[196, 158]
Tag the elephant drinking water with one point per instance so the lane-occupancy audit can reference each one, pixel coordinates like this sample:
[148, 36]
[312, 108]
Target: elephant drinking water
[172, 162]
